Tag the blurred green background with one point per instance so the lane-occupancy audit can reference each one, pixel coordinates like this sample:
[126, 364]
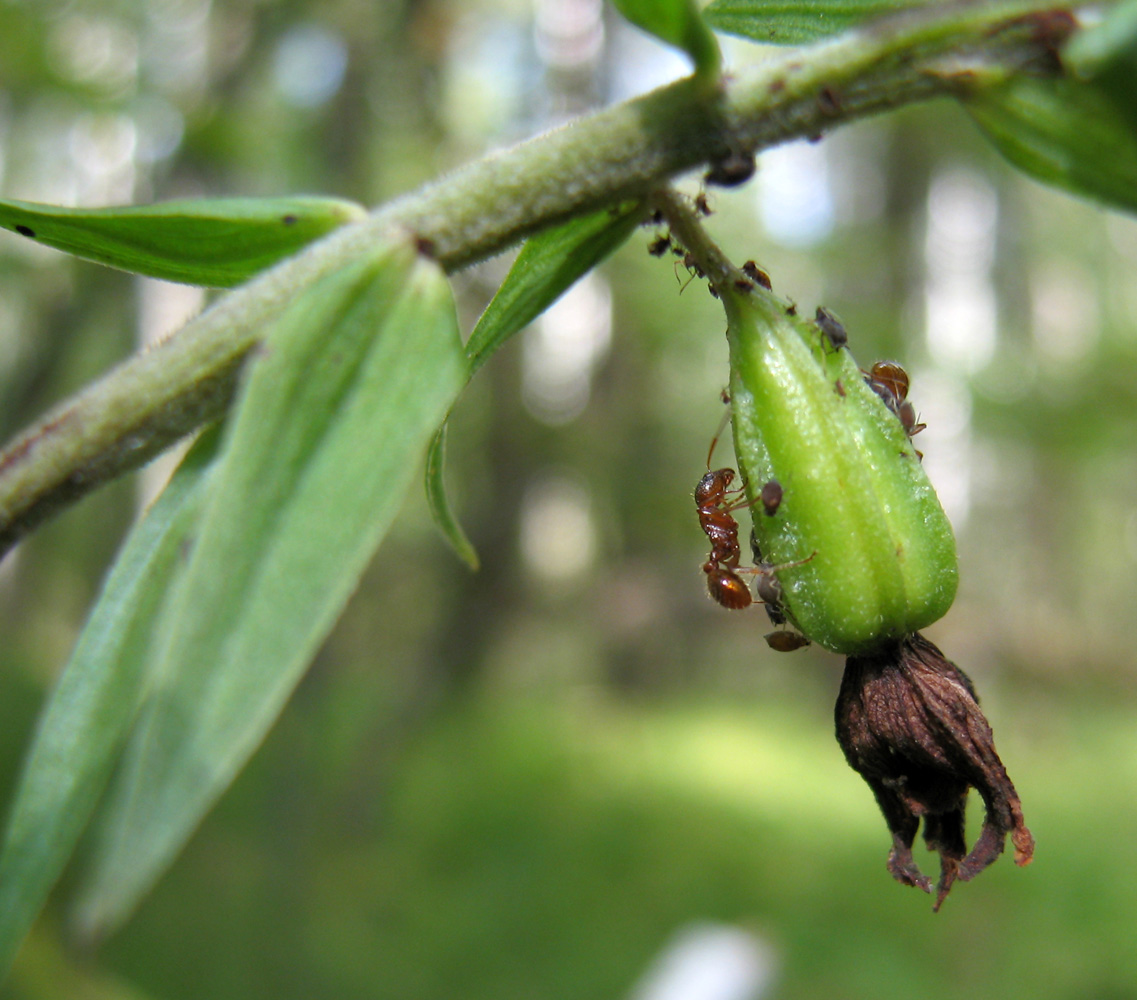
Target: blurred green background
[572, 769]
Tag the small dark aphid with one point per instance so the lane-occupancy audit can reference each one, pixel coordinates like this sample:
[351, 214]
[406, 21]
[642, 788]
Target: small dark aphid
[785, 642]
[714, 291]
[755, 548]
[771, 497]
[26, 231]
[743, 285]
[757, 275]
[832, 327]
[657, 217]
[735, 168]
[773, 591]
[791, 309]
[659, 246]
[769, 587]
[828, 101]
[701, 205]
[907, 414]
[839, 388]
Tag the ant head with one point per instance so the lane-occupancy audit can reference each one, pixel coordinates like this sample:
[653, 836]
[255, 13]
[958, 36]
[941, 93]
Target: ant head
[712, 486]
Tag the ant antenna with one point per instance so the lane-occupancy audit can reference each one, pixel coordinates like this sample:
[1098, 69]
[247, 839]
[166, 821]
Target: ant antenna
[721, 427]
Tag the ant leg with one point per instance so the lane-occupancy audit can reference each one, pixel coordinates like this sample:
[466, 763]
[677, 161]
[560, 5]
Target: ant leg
[789, 565]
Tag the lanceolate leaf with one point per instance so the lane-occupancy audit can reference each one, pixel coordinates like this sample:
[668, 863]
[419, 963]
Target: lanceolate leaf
[338, 406]
[547, 266]
[795, 22]
[679, 23]
[1063, 132]
[439, 502]
[89, 714]
[217, 242]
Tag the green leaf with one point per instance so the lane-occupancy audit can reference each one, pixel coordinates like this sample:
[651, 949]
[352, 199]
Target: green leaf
[439, 502]
[217, 242]
[88, 716]
[1106, 54]
[1063, 132]
[796, 22]
[1095, 48]
[678, 23]
[548, 265]
[337, 407]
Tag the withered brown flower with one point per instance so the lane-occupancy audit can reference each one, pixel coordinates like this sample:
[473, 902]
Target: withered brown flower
[909, 723]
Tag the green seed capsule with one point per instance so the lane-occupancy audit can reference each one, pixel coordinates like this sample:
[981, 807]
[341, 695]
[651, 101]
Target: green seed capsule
[853, 489]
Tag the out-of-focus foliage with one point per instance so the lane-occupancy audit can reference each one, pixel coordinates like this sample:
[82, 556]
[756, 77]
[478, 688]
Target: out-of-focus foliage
[1065, 132]
[88, 717]
[679, 23]
[571, 757]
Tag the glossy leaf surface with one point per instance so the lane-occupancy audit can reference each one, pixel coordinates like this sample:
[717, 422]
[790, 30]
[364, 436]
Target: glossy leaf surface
[216, 242]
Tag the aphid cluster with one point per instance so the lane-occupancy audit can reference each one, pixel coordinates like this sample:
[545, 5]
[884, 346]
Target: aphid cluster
[664, 242]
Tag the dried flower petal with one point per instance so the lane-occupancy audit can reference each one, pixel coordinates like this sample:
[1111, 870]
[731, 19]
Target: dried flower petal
[909, 723]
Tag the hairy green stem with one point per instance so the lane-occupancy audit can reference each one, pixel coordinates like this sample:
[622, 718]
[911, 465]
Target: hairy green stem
[154, 398]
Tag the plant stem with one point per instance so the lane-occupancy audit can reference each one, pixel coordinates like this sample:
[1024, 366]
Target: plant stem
[154, 398]
[688, 230]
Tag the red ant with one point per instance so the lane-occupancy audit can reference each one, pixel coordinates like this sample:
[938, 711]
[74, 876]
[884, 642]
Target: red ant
[715, 506]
